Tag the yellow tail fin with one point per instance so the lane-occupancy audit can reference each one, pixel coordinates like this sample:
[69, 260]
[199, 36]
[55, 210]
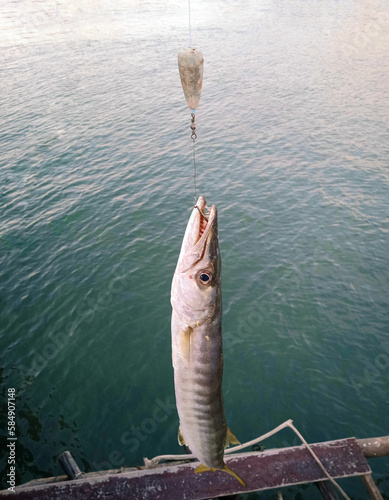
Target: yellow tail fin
[230, 471]
[202, 468]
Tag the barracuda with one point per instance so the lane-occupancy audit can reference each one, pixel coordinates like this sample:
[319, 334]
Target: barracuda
[197, 343]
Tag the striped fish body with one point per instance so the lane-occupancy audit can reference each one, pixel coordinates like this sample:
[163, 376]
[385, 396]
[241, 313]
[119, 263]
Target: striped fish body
[198, 367]
[197, 342]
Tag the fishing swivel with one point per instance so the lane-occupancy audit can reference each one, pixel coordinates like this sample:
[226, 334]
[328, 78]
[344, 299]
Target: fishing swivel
[194, 137]
[193, 127]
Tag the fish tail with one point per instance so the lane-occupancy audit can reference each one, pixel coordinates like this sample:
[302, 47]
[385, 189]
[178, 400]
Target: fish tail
[230, 471]
[202, 468]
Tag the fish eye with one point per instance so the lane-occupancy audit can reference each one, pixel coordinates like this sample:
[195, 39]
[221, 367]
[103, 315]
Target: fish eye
[205, 278]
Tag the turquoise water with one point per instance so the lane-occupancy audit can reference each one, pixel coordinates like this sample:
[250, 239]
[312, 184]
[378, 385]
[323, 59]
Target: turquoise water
[96, 183]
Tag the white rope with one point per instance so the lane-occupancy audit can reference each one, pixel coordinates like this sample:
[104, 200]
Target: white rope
[288, 423]
[319, 462]
[154, 461]
[260, 438]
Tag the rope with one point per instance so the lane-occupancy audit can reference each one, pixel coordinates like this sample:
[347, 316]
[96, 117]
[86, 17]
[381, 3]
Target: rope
[343, 493]
[156, 460]
[260, 438]
[289, 423]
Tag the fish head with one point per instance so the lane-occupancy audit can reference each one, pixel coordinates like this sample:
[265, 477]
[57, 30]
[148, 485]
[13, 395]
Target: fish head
[196, 287]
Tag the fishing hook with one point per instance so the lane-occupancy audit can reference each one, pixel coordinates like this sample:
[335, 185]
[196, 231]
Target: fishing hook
[198, 208]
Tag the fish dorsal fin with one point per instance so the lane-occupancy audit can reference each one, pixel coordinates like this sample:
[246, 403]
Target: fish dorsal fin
[181, 439]
[230, 438]
[203, 468]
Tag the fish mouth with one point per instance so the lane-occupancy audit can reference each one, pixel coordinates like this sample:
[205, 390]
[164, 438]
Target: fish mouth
[205, 220]
[201, 235]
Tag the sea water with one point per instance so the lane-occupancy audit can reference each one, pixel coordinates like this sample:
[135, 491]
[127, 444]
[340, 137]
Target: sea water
[96, 179]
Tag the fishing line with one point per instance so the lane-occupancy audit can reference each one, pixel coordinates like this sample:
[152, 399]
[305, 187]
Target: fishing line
[194, 137]
[190, 66]
[193, 125]
[194, 169]
[190, 26]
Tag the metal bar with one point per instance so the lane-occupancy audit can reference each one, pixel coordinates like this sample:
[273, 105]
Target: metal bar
[371, 487]
[69, 465]
[327, 491]
[260, 471]
[374, 447]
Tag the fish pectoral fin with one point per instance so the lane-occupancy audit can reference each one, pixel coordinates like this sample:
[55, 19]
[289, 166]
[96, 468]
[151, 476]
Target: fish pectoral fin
[232, 473]
[230, 438]
[203, 468]
[181, 439]
[184, 344]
